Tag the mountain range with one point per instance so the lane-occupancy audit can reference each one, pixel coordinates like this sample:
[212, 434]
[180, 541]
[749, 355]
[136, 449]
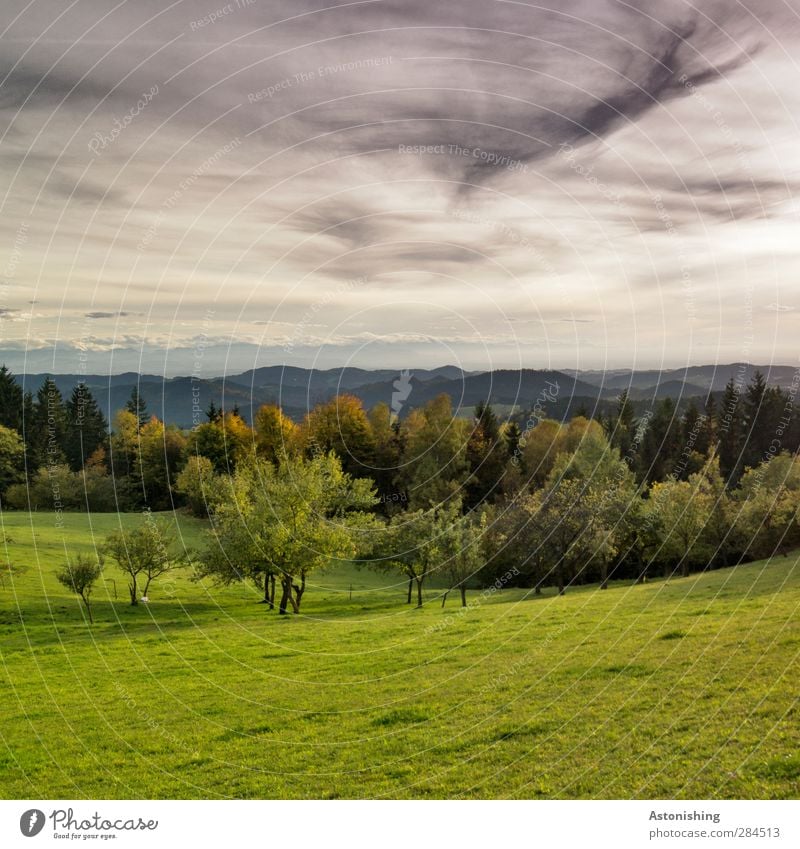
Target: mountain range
[182, 400]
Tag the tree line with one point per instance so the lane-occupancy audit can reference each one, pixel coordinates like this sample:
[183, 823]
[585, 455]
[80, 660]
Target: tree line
[467, 499]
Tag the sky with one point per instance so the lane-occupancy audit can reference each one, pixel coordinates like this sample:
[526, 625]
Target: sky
[204, 187]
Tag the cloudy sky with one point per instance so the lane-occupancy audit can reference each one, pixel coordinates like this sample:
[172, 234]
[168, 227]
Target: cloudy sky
[202, 186]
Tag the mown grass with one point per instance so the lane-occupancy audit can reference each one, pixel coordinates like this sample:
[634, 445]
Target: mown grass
[685, 689]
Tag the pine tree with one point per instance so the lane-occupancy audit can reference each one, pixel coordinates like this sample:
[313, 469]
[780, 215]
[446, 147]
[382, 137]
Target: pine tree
[731, 434]
[661, 444]
[49, 424]
[621, 425]
[487, 454]
[10, 401]
[138, 406]
[87, 429]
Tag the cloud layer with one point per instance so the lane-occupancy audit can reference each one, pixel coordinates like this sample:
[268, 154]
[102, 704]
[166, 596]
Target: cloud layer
[574, 184]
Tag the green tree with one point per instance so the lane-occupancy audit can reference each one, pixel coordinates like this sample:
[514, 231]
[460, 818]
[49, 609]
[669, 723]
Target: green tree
[79, 576]
[10, 401]
[487, 455]
[462, 548]
[49, 425]
[161, 456]
[412, 542]
[12, 458]
[661, 443]
[137, 406]
[199, 485]
[288, 521]
[680, 508]
[434, 465]
[768, 500]
[275, 433]
[144, 553]
[86, 427]
[731, 433]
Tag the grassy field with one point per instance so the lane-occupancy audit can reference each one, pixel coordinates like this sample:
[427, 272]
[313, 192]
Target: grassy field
[683, 689]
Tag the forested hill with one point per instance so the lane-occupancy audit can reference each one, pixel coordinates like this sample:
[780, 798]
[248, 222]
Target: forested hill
[176, 400]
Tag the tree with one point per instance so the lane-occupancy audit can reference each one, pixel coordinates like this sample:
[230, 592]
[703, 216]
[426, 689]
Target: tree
[412, 543]
[161, 455]
[49, 426]
[12, 458]
[621, 424]
[79, 577]
[661, 444]
[768, 501]
[593, 488]
[10, 401]
[144, 552]
[226, 441]
[341, 425]
[287, 521]
[719, 539]
[199, 485]
[487, 456]
[275, 433]
[86, 427]
[463, 556]
[540, 446]
[681, 508]
[731, 434]
[137, 406]
[386, 458]
[434, 462]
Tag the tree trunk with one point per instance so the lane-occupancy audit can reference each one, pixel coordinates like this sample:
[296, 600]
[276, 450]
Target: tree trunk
[419, 592]
[560, 583]
[538, 590]
[604, 576]
[685, 567]
[286, 588]
[133, 592]
[444, 597]
[88, 609]
[272, 592]
[463, 596]
[410, 588]
[298, 594]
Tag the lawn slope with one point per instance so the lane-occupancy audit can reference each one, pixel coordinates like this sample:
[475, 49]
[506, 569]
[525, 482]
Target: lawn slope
[686, 688]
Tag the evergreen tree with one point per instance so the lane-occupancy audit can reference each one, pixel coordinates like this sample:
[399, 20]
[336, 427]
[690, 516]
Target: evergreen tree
[731, 433]
[621, 425]
[49, 425]
[487, 456]
[138, 406]
[10, 401]
[87, 429]
[661, 444]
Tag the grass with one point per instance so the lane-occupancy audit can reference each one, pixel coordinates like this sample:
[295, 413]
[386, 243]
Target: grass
[684, 689]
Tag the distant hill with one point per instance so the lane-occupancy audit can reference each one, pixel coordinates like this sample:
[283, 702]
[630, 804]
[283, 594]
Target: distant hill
[298, 389]
[705, 378]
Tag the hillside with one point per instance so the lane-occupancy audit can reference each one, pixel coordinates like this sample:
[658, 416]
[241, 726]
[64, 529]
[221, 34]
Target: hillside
[684, 689]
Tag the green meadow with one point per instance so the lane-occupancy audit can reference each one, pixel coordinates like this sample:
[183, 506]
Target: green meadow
[686, 688]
